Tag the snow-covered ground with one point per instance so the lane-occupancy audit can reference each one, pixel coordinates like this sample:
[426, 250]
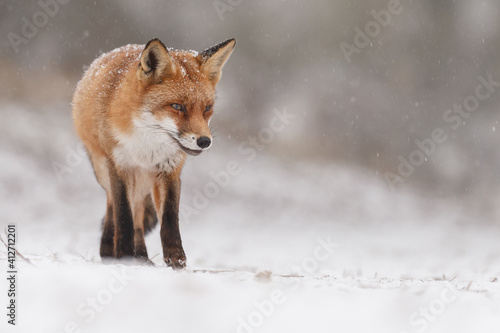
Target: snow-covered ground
[278, 247]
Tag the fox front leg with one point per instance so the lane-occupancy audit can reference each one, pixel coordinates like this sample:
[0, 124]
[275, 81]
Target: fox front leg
[167, 197]
[122, 215]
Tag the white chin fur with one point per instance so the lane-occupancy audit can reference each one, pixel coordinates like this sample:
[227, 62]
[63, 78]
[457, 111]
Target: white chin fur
[148, 146]
[188, 141]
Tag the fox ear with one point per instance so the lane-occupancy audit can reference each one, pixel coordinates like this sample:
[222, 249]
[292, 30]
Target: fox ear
[213, 59]
[156, 62]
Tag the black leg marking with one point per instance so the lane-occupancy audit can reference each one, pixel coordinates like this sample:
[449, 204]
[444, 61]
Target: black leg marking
[150, 217]
[173, 253]
[108, 234]
[124, 223]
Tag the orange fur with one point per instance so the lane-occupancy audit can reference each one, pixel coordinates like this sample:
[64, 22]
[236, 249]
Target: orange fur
[138, 110]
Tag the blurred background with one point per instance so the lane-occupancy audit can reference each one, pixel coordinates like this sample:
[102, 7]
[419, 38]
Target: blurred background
[359, 109]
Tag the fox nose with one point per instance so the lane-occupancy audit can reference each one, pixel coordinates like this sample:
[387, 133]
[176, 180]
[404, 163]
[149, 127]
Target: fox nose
[203, 142]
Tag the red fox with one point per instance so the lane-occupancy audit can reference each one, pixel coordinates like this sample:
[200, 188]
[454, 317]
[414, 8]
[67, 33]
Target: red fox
[140, 110]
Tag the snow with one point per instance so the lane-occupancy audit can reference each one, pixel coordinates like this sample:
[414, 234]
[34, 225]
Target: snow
[282, 247]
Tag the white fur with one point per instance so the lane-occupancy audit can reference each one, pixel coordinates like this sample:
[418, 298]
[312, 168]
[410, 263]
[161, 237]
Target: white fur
[149, 146]
[188, 140]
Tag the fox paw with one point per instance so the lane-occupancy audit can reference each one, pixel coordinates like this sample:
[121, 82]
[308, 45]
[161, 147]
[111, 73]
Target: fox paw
[175, 258]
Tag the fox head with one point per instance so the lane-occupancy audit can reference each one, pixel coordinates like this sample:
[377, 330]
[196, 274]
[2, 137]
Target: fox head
[178, 89]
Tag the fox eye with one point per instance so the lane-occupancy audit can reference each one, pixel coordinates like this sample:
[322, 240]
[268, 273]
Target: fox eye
[208, 108]
[177, 107]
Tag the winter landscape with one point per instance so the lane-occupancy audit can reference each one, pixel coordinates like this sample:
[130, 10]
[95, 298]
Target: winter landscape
[339, 196]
